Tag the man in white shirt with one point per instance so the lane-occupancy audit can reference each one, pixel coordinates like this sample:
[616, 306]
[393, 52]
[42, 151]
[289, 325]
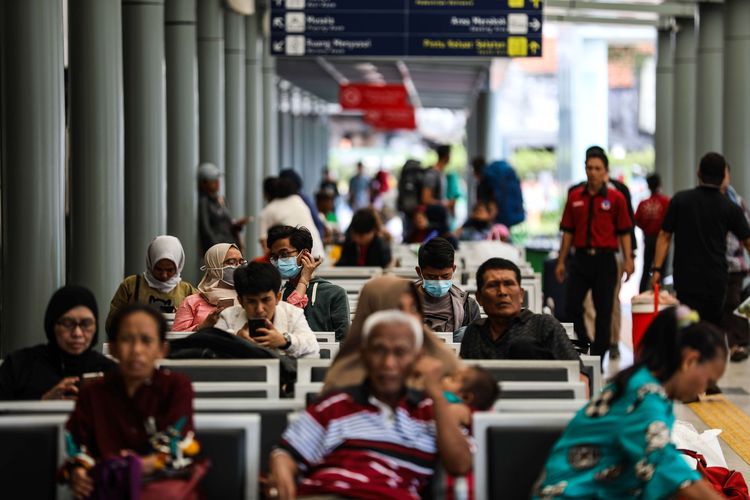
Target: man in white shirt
[262, 317]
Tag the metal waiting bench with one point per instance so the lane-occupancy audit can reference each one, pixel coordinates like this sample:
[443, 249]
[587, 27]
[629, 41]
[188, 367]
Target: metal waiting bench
[530, 370]
[512, 449]
[337, 274]
[252, 378]
[33, 449]
[539, 405]
[542, 390]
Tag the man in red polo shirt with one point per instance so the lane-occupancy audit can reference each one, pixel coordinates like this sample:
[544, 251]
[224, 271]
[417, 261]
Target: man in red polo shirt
[595, 223]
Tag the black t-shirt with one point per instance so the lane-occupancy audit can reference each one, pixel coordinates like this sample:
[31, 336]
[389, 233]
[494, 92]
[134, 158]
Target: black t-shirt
[700, 219]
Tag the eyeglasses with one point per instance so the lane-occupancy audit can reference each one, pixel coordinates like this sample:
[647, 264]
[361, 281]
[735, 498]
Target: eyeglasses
[235, 262]
[69, 324]
[283, 255]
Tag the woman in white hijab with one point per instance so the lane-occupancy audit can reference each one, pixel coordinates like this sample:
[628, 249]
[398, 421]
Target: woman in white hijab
[215, 291]
[160, 285]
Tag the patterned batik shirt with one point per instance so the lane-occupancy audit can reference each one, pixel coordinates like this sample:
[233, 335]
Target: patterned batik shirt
[619, 448]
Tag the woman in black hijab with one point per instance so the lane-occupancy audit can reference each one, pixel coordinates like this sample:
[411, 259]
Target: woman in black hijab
[53, 370]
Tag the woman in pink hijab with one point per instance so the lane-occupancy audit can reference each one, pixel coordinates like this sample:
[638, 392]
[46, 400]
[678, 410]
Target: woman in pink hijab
[215, 291]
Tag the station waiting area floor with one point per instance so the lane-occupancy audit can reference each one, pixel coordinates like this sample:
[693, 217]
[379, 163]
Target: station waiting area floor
[729, 411]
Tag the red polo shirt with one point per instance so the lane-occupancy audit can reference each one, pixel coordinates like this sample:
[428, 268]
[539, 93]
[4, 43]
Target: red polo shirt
[597, 220]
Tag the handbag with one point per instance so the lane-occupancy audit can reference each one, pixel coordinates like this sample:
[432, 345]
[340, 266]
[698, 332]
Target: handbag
[183, 487]
[729, 483]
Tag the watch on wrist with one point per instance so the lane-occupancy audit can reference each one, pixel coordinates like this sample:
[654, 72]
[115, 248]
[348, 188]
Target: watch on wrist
[288, 339]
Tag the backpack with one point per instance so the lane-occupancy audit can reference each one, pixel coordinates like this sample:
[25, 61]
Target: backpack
[506, 189]
[410, 187]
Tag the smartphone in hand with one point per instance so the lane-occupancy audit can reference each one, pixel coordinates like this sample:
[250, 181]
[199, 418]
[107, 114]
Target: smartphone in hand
[254, 324]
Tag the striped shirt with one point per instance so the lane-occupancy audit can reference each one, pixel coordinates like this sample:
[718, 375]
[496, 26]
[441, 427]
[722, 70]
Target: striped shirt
[353, 445]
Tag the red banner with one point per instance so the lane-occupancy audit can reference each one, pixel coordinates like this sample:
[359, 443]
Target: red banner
[366, 96]
[392, 119]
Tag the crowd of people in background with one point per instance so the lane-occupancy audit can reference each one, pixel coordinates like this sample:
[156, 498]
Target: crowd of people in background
[395, 389]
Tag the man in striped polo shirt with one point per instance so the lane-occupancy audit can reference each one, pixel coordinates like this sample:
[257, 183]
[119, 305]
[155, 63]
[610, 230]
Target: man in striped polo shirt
[380, 439]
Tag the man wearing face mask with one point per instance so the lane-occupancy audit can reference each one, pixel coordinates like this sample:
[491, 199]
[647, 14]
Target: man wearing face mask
[447, 308]
[325, 304]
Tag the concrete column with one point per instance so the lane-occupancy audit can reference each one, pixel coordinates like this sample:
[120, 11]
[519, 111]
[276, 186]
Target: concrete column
[736, 102]
[483, 119]
[285, 128]
[145, 128]
[234, 54]
[710, 84]
[97, 184]
[664, 133]
[33, 155]
[584, 100]
[270, 127]
[298, 132]
[254, 129]
[211, 82]
[684, 105]
[182, 131]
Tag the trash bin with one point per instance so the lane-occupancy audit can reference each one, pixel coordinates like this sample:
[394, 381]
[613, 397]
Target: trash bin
[645, 307]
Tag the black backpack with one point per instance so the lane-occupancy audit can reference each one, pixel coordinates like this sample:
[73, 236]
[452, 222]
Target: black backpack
[410, 187]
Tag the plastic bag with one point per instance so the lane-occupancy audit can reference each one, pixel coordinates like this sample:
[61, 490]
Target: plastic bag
[685, 437]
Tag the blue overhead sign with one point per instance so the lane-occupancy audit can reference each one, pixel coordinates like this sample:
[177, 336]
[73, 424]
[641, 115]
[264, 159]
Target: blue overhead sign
[482, 28]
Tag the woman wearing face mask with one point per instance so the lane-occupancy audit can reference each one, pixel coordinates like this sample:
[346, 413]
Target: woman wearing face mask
[160, 285]
[54, 370]
[447, 308]
[618, 446]
[326, 305]
[215, 291]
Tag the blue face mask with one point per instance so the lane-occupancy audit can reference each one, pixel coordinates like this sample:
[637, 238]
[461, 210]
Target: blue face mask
[437, 288]
[288, 267]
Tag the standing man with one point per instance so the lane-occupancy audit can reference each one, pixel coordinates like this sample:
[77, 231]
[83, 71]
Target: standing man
[215, 223]
[700, 219]
[434, 185]
[359, 189]
[595, 224]
[649, 217]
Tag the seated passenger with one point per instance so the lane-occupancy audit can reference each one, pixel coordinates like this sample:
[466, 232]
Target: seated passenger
[364, 246]
[481, 225]
[135, 409]
[326, 305]
[53, 370]
[420, 227]
[509, 328]
[381, 294]
[215, 291]
[160, 285]
[262, 318]
[618, 446]
[446, 307]
[347, 443]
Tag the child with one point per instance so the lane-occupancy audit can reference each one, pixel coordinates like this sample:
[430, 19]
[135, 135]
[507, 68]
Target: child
[471, 389]
[480, 226]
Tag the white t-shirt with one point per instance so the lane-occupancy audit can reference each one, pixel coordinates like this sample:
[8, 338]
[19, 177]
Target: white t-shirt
[287, 319]
[290, 211]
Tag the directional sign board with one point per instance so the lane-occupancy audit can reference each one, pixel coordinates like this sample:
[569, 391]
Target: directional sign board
[481, 28]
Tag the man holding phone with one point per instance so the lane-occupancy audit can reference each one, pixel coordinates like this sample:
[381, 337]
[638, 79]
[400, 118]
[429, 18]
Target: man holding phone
[262, 318]
[325, 305]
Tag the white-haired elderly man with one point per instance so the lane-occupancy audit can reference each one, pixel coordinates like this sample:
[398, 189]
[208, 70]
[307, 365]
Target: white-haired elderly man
[380, 439]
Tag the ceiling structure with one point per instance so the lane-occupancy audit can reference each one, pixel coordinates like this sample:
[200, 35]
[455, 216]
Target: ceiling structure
[453, 83]
[432, 83]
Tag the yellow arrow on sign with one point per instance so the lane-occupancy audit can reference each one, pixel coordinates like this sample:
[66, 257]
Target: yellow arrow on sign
[534, 47]
[536, 3]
